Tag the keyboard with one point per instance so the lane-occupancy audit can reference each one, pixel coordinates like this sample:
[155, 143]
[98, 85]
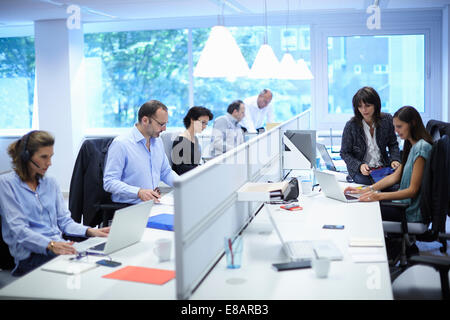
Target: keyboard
[301, 249]
[99, 247]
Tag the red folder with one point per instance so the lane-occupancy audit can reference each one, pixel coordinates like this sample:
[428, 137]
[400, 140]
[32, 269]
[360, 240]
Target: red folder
[142, 274]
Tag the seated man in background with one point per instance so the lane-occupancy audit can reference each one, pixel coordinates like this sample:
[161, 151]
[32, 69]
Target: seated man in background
[257, 109]
[136, 161]
[227, 133]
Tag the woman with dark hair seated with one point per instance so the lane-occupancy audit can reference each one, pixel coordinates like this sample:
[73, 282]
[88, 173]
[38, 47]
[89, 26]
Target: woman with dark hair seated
[416, 151]
[186, 152]
[366, 137]
[32, 208]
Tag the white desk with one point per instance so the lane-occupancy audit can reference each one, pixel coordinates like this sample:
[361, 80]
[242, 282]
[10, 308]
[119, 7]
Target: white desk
[347, 280]
[90, 285]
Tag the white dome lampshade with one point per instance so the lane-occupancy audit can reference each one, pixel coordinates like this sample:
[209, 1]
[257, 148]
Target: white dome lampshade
[266, 65]
[289, 69]
[221, 56]
[305, 73]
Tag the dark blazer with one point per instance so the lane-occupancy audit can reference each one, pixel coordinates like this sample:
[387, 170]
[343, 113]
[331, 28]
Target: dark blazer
[86, 186]
[353, 145]
[185, 155]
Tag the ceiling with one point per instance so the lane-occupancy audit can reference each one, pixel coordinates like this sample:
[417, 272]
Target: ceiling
[24, 12]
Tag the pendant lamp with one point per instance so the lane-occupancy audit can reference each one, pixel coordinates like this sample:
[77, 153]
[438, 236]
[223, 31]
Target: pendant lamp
[221, 56]
[266, 65]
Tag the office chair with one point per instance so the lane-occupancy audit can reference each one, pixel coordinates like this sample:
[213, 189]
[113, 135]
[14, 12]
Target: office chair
[6, 260]
[434, 204]
[88, 201]
[167, 139]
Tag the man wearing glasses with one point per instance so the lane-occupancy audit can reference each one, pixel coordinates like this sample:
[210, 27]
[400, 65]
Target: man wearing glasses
[136, 161]
[257, 109]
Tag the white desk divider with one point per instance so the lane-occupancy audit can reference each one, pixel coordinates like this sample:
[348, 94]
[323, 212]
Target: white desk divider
[206, 204]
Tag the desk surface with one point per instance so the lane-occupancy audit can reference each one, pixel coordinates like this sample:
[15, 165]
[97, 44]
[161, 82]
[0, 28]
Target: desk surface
[90, 285]
[255, 279]
[347, 280]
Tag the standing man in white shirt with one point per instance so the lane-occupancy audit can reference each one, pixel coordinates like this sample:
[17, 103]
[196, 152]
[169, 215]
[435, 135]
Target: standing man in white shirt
[257, 108]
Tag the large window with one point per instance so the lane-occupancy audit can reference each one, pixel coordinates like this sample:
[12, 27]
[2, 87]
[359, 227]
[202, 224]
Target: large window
[393, 65]
[126, 69]
[17, 80]
[290, 97]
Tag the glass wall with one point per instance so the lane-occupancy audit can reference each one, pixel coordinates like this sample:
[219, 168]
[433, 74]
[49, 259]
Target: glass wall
[17, 81]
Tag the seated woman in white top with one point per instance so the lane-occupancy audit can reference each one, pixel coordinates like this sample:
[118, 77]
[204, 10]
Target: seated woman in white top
[32, 208]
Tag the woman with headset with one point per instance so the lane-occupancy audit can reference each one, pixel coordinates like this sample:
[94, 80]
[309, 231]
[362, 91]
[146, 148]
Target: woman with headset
[32, 208]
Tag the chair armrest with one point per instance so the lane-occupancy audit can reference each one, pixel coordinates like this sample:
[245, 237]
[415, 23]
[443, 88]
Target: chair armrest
[394, 204]
[444, 236]
[437, 262]
[400, 205]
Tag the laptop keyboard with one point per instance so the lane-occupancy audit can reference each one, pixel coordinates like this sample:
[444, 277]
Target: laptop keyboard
[99, 247]
[301, 250]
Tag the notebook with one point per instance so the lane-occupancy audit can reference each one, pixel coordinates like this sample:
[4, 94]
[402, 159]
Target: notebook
[307, 249]
[127, 228]
[378, 174]
[331, 188]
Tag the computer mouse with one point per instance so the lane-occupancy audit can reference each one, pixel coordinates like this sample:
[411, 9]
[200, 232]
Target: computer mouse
[348, 178]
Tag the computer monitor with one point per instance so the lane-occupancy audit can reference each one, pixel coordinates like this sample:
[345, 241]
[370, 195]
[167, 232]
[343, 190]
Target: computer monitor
[305, 141]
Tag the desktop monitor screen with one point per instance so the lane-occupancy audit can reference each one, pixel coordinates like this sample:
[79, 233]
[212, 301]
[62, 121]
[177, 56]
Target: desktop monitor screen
[305, 141]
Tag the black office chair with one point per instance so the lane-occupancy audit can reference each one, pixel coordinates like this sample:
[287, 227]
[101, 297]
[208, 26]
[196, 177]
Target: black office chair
[88, 201]
[435, 206]
[6, 260]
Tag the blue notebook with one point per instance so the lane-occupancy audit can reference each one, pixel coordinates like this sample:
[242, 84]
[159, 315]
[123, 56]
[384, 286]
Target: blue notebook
[162, 221]
[379, 174]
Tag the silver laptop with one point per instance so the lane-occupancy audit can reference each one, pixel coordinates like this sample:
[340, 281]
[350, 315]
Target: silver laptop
[127, 228]
[331, 188]
[301, 250]
[327, 158]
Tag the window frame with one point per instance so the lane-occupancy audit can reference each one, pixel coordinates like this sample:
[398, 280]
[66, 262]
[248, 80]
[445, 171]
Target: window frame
[427, 23]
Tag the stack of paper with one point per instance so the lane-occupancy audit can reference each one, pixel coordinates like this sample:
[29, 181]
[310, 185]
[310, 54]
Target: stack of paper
[68, 267]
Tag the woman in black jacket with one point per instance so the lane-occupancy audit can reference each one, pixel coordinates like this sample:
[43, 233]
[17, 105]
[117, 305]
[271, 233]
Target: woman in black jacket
[186, 152]
[366, 137]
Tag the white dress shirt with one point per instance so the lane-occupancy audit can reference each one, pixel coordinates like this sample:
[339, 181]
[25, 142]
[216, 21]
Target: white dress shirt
[254, 116]
[373, 155]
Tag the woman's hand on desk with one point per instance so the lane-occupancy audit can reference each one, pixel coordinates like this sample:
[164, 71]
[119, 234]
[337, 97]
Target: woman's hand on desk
[370, 196]
[102, 232]
[353, 190]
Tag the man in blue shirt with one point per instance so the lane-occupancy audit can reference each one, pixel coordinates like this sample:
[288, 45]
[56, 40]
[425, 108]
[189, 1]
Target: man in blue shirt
[136, 161]
[227, 133]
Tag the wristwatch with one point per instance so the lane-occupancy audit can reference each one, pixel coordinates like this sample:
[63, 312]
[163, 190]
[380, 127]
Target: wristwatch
[51, 245]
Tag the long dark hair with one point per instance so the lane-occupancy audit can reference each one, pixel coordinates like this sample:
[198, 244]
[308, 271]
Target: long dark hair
[367, 95]
[417, 130]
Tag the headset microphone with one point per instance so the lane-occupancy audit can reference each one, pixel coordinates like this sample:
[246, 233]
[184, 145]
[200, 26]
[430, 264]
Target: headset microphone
[35, 164]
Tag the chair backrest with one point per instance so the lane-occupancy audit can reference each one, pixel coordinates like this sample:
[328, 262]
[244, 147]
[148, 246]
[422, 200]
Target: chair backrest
[86, 186]
[437, 129]
[435, 185]
[6, 260]
[167, 138]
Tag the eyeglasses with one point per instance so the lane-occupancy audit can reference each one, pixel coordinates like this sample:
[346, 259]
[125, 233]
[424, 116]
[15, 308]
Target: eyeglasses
[162, 125]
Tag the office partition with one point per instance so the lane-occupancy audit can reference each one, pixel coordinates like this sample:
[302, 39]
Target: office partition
[206, 206]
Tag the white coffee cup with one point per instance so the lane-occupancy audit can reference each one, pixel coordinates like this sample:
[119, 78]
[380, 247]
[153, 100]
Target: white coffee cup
[306, 186]
[162, 249]
[321, 267]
